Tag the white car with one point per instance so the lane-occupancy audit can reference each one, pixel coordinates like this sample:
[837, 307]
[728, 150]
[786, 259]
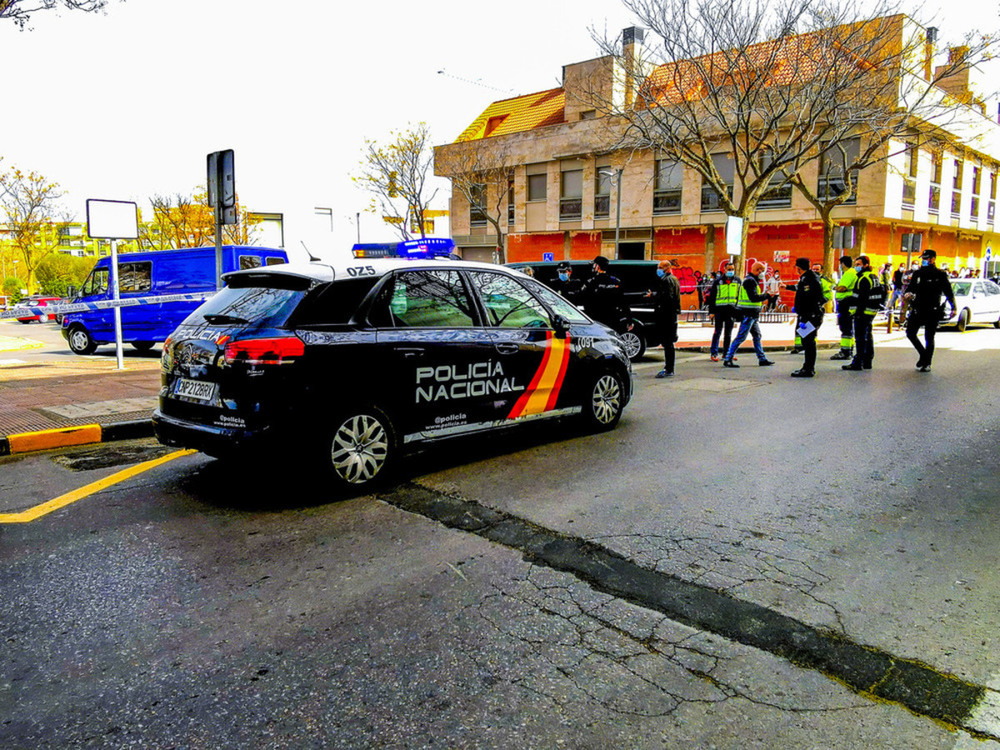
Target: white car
[976, 301]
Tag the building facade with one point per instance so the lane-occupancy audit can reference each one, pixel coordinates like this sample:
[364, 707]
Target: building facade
[568, 198]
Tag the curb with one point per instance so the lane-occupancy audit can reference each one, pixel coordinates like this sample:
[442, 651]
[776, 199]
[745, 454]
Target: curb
[65, 437]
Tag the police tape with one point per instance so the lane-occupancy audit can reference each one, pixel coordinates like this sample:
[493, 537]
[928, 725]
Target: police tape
[72, 307]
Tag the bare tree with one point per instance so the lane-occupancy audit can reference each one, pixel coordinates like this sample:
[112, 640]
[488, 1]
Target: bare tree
[20, 11]
[747, 93]
[31, 207]
[482, 172]
[188, 221]
[396, 175]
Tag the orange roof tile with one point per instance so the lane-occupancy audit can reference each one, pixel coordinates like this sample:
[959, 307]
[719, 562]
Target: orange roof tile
[517, 115]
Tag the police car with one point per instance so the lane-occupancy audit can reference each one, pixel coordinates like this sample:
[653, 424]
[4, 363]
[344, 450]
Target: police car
[353, 363]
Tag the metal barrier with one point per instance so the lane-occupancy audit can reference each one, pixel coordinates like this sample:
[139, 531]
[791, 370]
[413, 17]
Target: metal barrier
[703, 316]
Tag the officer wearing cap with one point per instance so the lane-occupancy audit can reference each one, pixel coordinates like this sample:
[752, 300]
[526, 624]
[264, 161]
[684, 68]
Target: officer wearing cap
[571, 289]
[603, 297]
[923, 297]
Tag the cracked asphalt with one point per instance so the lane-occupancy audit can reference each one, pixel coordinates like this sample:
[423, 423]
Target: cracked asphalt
[733, 567]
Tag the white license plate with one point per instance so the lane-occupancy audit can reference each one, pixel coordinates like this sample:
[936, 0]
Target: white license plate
[196, 389]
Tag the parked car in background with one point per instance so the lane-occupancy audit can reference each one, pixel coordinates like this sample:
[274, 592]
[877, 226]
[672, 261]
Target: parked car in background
[976, 301]
[637, 278]
[37, 302]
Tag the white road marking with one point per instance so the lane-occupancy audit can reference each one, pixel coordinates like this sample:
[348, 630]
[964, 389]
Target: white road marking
[985, 718]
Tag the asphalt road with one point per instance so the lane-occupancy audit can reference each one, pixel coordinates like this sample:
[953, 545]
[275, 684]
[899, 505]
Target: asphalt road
[749, 560]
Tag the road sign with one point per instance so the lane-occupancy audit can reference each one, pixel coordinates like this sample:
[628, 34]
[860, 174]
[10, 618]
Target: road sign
[548, 256]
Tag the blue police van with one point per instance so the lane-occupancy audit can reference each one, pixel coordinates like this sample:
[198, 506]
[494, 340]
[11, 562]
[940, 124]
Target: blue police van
[148, 275]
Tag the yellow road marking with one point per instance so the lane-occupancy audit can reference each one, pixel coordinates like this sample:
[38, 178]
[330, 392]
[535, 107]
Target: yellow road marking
[26, 516]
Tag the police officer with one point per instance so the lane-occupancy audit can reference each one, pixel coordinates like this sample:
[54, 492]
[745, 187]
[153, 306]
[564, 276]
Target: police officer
[826, 287]
[603, 297]
[722, 307]
[845, 307]
[869, 298]
[923, 297]
[748, 304]
[571, 289]
[809, 301]
[666, 298]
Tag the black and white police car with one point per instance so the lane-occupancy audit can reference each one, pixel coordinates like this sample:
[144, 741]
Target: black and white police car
[354, 362]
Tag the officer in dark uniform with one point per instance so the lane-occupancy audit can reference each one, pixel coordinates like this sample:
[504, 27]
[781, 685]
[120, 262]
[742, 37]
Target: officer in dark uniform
[571, 289]
[603, 298]
[809, 301]
[927, 286]
[869, 298]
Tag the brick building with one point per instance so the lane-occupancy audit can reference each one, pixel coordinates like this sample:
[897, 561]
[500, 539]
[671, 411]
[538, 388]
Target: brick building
[563, 195]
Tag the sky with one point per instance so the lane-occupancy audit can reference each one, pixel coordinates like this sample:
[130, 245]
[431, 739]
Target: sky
[125, 105]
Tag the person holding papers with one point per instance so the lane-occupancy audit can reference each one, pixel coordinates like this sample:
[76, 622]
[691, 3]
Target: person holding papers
[809, 301]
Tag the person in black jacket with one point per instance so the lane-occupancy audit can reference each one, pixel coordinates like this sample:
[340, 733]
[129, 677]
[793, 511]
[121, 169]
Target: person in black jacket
[603, 298]
[923, 298]
[666, 298]
[571, 289]
[809, 302]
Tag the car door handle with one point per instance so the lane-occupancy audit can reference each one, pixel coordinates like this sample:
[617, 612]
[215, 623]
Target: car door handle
[411, 351]
[506, 347]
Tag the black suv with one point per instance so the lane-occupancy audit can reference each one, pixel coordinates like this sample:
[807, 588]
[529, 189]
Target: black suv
[637, 278]
[353, 363]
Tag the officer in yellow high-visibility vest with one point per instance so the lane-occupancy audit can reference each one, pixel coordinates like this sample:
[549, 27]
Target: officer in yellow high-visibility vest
[869, 298]
[846, 298]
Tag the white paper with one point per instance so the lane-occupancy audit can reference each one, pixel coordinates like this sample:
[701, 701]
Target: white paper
[805, 329]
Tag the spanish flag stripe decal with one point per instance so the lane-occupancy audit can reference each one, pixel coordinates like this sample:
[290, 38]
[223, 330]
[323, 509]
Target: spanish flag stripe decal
[543, 391]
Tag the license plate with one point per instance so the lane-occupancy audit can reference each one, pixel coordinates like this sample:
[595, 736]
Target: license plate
[196, 389]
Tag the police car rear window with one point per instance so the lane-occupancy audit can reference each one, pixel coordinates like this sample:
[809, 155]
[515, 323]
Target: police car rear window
[264, 306]
[334, 303]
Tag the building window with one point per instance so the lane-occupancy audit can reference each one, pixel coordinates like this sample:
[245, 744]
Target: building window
[956, 191]
[911, 159]
[477, 205]
[602, 192]
[510, 201]
[934, 202]
[710, 198]
[977, 177]
[571, 195]
[991, 207]
[779, 196]
[667, 187]
[537, 187]
[834, 163]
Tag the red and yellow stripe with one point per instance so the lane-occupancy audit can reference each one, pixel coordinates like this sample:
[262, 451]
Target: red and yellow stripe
[543, 391]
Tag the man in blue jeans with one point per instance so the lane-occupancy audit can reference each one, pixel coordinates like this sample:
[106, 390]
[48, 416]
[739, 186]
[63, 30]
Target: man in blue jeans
[748, 304]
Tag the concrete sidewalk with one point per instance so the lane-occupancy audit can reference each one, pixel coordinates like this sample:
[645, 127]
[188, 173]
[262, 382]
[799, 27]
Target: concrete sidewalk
[57, 401]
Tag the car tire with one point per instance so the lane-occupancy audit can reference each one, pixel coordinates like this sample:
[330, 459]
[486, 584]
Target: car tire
[143, 346]
[996, 323]
[23, 322]
[635, 341]
[605, 401]
[81, 342]
[963, 320]
[360, 448]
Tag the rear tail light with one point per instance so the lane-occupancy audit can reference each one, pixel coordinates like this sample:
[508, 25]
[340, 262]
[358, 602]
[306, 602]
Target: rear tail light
[270, 351]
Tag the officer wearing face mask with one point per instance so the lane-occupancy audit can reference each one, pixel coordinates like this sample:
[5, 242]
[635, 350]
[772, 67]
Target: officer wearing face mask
[846, 299]
[869, 297]
[927, 286]
[722, 306]
[571, 289]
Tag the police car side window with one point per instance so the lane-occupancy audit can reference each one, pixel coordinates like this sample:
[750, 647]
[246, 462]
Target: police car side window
[557, 304]
[424, 299]
[508, 303]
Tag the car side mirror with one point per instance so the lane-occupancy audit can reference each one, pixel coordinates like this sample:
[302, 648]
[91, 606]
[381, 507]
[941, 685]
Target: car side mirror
[561, 326]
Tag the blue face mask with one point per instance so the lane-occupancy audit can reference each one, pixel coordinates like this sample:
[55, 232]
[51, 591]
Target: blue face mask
[660, 272]
[730, 274]
[563, 276]
[925, 262]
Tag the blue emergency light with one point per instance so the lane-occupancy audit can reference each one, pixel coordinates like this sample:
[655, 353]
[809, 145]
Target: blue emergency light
[430, 247]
